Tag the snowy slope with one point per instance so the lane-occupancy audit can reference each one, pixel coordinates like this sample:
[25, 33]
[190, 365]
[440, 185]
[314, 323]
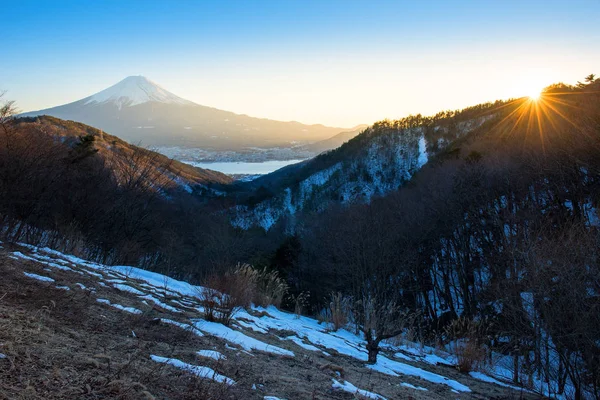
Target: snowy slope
[259, 332]
[135, 90]
[381, 164]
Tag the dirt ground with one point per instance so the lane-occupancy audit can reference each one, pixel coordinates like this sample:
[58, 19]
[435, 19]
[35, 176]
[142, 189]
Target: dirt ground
[63, 344]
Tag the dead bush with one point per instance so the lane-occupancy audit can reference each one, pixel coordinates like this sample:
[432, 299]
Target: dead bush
[210, 300]
[270, 288]
[225, 294]
[469, 355]
[466, 346]
[300, 303]
[339, 308]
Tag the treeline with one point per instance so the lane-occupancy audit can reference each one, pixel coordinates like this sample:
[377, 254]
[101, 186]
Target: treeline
[499, 231]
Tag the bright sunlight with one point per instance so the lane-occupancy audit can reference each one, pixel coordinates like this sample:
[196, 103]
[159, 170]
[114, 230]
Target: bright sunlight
[535, 94]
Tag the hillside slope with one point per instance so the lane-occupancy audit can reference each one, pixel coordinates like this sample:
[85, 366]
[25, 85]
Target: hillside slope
[494, 242]
[65, 182]
[71, 328]
[376, 162]
[117, 153]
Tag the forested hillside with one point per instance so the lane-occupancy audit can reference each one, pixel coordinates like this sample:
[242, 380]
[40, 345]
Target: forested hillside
[71, 186]
[475, 230]
[117, 154]
[496, 237]
[376, 162]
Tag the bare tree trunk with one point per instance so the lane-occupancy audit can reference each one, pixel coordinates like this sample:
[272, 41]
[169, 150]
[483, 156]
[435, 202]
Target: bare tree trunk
[516, 367]
[373, 350]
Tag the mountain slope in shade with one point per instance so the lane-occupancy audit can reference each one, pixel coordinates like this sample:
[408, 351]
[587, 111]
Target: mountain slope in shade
[99, 308]
[140, 111]
[373, 164]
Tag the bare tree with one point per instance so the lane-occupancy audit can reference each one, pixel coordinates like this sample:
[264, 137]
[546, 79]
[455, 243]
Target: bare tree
[374, 272]
[8, 110]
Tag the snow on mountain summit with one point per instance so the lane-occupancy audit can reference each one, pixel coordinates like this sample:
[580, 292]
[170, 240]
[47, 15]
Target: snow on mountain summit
[135, 90]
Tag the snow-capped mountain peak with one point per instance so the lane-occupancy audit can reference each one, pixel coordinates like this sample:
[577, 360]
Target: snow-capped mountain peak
[135, 90]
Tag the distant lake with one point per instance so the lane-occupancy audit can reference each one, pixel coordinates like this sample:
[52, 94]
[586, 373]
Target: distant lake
[249, 168]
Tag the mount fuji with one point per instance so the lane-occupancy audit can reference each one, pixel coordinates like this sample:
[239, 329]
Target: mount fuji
[135, 90]
[140, 111]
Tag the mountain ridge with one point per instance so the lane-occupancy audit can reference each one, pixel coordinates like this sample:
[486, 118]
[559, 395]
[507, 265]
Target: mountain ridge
[141, 111]
[379, 160]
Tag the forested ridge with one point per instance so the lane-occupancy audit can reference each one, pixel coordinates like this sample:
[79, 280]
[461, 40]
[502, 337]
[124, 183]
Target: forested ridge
[497, 235]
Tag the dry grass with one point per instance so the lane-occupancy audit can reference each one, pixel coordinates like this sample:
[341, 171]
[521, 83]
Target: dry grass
[269, 288]
[470, 355]
[239, 288]
[65, 345]
[339, 309]
[226, 293]
[300, 303]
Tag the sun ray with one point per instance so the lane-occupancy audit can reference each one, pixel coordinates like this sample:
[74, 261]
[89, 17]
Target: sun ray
[518, 121]
[562, 102]
[506, 118]
[510, 114]
[550, 112]
[537, 117]
[570, 93]
[508, 104]
[548, 115]
[540, 128]
[530, 119]
[563, 116]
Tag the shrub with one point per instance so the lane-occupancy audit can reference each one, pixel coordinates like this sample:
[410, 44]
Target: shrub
[300, 303]
[323, 316]
[211, 301]
[469, 353]
[226, 293]
[339, 308]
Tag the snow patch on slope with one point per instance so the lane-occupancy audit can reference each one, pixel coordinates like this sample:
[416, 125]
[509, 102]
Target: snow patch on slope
[350, 388]
[202, 372]
[235, 337]
[38, 277]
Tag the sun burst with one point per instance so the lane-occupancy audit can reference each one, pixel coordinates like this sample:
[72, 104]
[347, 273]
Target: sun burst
[534, 95]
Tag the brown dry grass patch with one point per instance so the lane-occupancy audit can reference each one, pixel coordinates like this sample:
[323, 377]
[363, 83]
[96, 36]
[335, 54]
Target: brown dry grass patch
[64, 345]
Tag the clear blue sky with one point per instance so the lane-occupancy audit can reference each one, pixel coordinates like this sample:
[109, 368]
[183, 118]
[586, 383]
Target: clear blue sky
[335, 62]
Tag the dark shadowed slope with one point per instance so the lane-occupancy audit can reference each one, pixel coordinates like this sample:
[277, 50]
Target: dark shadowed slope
[116, 151]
